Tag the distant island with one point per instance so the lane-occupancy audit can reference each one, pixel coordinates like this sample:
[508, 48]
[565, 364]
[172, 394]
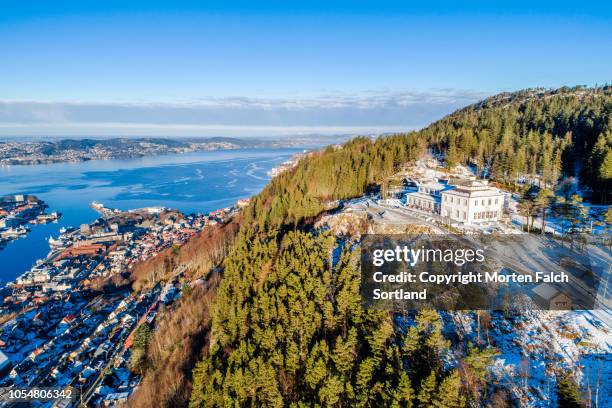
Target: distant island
[31, 152]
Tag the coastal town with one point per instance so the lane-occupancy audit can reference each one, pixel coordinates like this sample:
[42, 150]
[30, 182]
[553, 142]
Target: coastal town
[72, 151]
[287, 165]
[59, 326]
[17, 211]
[33, 152]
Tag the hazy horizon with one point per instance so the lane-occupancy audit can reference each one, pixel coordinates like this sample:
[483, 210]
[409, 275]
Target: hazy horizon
[41, 138]
[281, 68]
[368, 113]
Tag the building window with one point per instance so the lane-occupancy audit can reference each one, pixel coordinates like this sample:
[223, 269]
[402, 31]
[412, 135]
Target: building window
[476, 203]
[496, 201]
[489, 201]
[464, 216]
[483, 202]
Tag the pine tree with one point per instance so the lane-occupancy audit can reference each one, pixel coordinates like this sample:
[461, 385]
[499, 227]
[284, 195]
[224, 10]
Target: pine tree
[568, 392]
[527, 208]
[542, 201]
[449, 393]
[403, 395]
[475, 371]
[427, 391]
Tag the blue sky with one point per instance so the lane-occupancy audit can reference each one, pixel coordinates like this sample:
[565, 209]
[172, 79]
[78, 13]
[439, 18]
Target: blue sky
[252, 68]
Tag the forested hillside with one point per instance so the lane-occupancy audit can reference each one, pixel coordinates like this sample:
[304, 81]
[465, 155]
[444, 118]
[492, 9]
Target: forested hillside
[287, 327]
[335, 173]
[536, 134]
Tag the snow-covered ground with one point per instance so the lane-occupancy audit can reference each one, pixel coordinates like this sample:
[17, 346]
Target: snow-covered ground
[558, 226]
[430, 166]
[535, 346]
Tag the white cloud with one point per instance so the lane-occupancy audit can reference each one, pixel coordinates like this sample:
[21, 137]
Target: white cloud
[177, 130]
[350, 113]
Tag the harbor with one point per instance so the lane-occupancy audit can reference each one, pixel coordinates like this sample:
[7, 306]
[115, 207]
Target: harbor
[70, 320]
[17, 212]
[190, 182]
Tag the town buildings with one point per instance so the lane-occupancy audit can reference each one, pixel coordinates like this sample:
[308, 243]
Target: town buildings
[58, 329]
[16, 211]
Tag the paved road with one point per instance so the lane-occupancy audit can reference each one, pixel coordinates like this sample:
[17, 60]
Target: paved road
[385, 214]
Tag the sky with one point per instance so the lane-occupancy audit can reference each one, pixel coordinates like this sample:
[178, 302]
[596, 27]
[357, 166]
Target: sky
[252, 68]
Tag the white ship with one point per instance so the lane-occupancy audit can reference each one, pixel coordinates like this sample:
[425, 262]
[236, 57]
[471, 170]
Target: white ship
[14, 232]
[56, 243]
[97, 206]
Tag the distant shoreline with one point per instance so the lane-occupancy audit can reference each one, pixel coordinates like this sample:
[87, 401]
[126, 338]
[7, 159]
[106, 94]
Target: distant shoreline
[32, 153]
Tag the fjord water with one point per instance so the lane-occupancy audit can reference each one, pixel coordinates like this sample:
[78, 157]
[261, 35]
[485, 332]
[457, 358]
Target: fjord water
[191, 182]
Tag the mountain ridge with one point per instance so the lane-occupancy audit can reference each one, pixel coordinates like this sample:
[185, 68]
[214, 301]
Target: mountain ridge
[286, 325]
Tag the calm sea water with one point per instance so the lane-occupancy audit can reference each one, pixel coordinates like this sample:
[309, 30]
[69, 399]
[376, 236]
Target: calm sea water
[190, 182]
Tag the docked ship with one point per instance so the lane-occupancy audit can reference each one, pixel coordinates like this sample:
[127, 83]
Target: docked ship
[13, 233]
[97, 206]
[57, 243]
[45, 218]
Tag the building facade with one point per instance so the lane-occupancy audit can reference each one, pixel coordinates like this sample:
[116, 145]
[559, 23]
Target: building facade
[427, 197]
[474, 203]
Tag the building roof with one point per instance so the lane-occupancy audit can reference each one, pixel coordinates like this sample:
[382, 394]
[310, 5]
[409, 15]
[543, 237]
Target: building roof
[4, 360]
[545, 291]
[117, 396]
[422, 196]
[434, 185]
[474, 191]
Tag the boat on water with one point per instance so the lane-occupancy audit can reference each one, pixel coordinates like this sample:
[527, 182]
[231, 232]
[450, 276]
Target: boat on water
[56, 243]
[45, 218]
[14, 232]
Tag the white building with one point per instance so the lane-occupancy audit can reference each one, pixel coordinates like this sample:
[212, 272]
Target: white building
[428, 197]
[475, 203]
